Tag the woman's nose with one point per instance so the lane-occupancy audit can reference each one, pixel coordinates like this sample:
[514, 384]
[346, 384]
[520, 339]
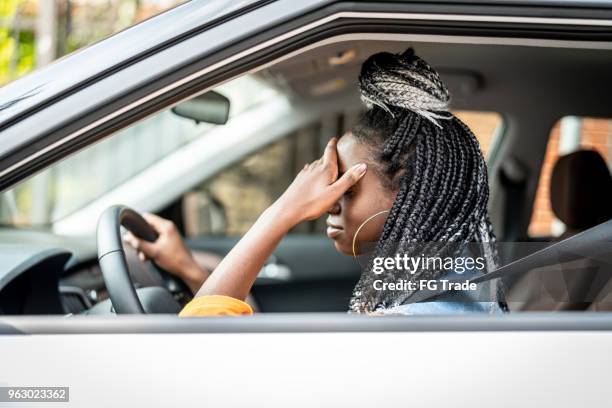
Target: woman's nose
[334, 209]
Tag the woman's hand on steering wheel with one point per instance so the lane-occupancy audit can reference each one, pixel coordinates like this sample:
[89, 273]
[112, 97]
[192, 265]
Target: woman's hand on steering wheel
[169, 252]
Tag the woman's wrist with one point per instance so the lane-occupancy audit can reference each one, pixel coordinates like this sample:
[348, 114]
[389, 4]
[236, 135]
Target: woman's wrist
[284, 214]
[193, 275]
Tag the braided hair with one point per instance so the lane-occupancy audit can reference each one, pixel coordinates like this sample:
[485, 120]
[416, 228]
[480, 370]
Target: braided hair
[431, 158]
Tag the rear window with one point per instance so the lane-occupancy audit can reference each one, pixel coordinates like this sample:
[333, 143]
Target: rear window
[487, 126]
[569, 134]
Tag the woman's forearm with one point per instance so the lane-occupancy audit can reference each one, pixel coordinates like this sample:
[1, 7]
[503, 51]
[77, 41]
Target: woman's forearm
[194, 276]
[237, 272]
[314, 190]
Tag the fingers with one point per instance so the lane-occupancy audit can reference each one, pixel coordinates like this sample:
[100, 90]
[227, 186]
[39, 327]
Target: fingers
[134, 242]
[158, 223]
[348, 179]
[131, 240]
[310, 165]
[144, 248]
[330, 155]
[329, 160]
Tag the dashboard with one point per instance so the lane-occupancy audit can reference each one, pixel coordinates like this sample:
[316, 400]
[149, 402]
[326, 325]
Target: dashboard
[29, 280]
[42, 273]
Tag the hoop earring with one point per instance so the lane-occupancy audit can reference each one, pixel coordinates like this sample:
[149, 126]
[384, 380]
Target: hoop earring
[361, 226]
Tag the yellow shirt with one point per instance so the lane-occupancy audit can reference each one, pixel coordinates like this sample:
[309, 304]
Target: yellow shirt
[216, 305]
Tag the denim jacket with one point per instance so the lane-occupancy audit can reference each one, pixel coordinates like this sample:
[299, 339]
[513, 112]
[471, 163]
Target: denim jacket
[483, 300]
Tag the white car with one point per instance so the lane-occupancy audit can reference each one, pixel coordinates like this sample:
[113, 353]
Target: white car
[204, 114]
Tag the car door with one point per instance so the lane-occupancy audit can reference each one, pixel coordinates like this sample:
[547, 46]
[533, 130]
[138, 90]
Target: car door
[277, 355]
[45, 118]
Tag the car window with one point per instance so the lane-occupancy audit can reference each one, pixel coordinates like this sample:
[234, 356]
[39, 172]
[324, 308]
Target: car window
[487, 126]
[229, 202]
[569, 134]
[232, 200]
[76, 181]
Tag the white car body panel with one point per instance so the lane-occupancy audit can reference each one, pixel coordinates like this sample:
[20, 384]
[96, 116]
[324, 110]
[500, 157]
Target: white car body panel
[317, 369]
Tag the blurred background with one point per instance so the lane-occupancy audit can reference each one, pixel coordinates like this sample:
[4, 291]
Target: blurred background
[33, 33]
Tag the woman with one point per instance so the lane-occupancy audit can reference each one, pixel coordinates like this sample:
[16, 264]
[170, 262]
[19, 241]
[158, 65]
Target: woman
[409, 173]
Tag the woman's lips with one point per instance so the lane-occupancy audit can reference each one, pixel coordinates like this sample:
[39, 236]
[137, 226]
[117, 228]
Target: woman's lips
[333, 231]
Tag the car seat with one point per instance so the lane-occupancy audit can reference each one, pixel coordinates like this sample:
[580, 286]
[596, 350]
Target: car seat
[581, 191]
[581, 197]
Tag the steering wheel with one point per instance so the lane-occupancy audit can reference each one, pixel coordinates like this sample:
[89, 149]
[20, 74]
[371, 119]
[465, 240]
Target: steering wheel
[111, 256]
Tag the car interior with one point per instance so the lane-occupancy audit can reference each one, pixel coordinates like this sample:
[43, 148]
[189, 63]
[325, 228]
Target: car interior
[530, 86]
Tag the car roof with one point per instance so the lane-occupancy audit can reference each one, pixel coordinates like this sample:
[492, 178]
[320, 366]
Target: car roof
[481, 76]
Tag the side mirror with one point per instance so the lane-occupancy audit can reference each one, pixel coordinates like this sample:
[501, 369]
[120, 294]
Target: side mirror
[210, 107]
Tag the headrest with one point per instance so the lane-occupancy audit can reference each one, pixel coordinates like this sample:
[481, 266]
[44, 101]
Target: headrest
[581, 189]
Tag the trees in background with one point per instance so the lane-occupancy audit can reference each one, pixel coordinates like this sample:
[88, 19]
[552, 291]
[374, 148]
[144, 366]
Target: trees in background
[16, 39]
[35, 32]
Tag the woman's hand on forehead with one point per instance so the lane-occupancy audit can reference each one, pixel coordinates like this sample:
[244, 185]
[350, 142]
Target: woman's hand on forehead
[319, 185]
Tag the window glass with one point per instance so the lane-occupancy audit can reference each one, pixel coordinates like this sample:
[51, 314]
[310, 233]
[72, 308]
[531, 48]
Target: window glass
[231, 201]
[78, 180]
[69, 26]
[487, 127]
[569, 134]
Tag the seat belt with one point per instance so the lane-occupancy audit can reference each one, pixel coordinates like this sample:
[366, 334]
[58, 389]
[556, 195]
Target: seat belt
[594, 243]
